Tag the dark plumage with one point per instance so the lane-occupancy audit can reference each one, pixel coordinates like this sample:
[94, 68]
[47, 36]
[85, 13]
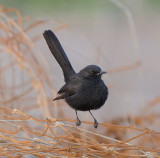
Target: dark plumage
[84, 90]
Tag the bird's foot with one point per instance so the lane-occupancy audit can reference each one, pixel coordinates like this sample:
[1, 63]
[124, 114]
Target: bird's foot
[95, 123]
[78, 123]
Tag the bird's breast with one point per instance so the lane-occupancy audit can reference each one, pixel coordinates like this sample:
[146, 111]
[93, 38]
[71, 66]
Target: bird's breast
[91, 95]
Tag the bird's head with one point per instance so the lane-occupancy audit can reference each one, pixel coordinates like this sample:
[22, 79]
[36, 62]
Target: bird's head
[91, 71]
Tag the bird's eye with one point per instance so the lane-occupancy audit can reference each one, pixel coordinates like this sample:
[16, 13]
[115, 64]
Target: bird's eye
[92, 73]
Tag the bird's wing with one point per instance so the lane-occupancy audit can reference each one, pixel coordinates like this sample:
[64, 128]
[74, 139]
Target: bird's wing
[59, 54]
[68, 89]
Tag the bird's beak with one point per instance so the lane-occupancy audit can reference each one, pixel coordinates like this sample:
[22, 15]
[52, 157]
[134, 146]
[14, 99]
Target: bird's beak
[102, 72]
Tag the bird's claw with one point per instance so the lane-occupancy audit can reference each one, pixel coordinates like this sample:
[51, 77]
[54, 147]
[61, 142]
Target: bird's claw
[95, 124]
[78, 123]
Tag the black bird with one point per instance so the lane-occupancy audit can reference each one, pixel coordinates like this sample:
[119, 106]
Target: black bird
[84, 90]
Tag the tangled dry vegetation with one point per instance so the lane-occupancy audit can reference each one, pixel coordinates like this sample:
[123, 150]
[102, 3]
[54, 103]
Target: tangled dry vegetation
[24, 135]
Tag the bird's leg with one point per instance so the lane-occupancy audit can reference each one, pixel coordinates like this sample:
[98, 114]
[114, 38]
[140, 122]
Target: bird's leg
[78, 123]
[95, 121]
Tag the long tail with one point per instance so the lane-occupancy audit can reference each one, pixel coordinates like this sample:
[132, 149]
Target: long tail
[59, 54]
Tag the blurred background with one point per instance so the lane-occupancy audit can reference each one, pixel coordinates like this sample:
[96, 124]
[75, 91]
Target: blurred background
[122, 37]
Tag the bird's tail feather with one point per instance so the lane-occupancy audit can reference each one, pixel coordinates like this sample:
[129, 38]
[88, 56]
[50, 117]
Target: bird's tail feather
[59, 54]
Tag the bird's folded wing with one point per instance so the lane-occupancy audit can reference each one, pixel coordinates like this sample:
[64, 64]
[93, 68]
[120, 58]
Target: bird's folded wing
[68, 89]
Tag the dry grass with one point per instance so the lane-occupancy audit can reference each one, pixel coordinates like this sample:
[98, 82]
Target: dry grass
[22, 135]
[25, 90]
